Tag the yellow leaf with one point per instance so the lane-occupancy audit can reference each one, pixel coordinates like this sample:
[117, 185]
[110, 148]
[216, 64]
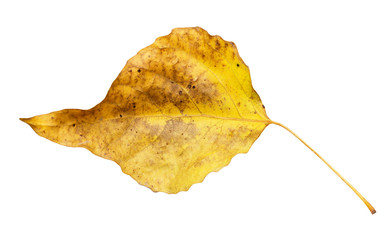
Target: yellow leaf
[180, 109]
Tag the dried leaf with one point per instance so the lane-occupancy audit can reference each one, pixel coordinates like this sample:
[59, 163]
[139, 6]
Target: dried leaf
[180, 109]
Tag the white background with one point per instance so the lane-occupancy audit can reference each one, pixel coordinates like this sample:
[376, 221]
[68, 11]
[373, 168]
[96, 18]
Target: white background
[319, 67]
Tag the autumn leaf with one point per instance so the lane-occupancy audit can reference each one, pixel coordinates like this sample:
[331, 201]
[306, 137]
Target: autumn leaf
[180, 109]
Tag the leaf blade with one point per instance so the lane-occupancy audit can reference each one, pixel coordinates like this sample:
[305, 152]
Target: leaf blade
[180, 109]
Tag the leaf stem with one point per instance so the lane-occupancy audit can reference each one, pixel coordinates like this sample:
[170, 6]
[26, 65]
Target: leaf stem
[371, 208]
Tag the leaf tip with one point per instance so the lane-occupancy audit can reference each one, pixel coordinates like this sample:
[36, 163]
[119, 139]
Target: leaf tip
[26, 120]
